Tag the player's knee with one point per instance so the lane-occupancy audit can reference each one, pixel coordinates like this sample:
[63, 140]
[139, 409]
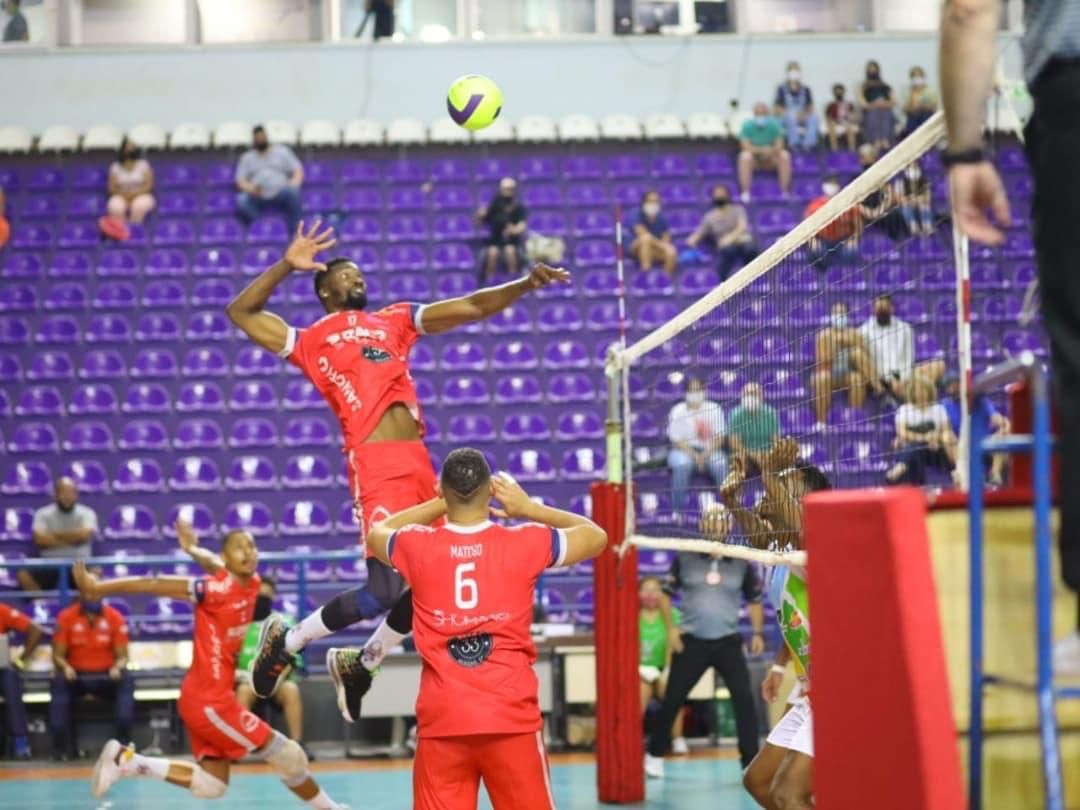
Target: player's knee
[287, 759]
[206, 786]
[755, 785]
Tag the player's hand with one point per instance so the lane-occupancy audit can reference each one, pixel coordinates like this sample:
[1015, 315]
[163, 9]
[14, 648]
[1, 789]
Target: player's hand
[515, 500]
[115, 673]
[88, 584]
[715, 522]
[69, 673]
[306, 245]
[731, 489]
[185, 533]
[542, 275]
[675, 640]
[770, 687]
[783, 454]
[976, 188]
[757, 644]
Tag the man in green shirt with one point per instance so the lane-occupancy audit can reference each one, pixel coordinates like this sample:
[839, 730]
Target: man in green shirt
[761, 142]
[287, 697]
[753, 426]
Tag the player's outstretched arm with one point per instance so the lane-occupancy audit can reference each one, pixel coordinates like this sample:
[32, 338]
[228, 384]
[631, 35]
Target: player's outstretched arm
[91, 587]
[584, 539]
[378, 537]
[247, 311]
[208, 561]
[453, 312]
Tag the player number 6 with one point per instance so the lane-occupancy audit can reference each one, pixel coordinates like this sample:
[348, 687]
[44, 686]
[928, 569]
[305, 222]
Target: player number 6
[465, 594]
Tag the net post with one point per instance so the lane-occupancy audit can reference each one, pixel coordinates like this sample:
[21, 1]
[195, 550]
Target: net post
[613, 429]
[963, 351]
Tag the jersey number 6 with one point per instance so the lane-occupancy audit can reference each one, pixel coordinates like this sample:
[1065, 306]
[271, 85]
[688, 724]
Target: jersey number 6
[465, 593]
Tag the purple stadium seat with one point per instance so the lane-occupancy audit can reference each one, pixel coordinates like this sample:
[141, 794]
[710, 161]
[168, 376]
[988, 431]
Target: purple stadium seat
[200, 397]
[652, 314]
[253, 395]
[466, 428]
[131, 522]
[593, 223]
[581, 167]
[602, 317]
[600, 284]
[927, 347]
[307, 471]
[493, 169]
[40, 400]
[252, 432]
[88, 436]
[305, 518]
[772, 348]
[405, 172]
[549, 223]
[365, 200]
[115, 263]
[208, 326]
[268, 229]
[539, 196]
[518, 390]
[842, 163]
[676, 194]
[565, 354]
[166, 262]
[206, 362]
[147, 398]
[10, 368]
[530, 465]
[570, 387]
[945, 311]
[300, 395]
[407, 228]
[32, 237]
[360, 229]
[621, 167]
[466, 390]
[1016, 341]
[179, 175]
[513, 320]
[422, 358]
[323, 201]
[108, 328]
[18, 298]
[34, 437]
[797, 421]
[179, 203]
[174, 233]
[70, 264]
[1002, 309]
[163, 294]
[257, 259]
[51, 365]
[538, 167]
[774, 220]
[198, 434]
[195, 473]
[669, 166]
[145, 435]
[361, 172]
[27, 478]
[79, 234]
[453, 256]
[199, 515]
[784, 384]
[18, 524]
[316, 570]
[715, 164]
[219, 202]
[154, 364]
[221, 231]
[559, 317]
[166, 618]
[403, 258]
[88, 177]
[454, 285]
[114, 295]
[406, 199]
[811, 313]
[464, 356]
[409, 287]
[629, 196]
[451, 170]
[251, 472]
[211, 293]
[587, 196]
[22, 265]
[985, 276]
[255, 361]
[139, 475]
[651, 285]
[52, 330]
[514, 356]
[251, 516]
[452, 198]
[453, 226]
[593, 253]
[912, 308]
[5, 403]
[525, 427]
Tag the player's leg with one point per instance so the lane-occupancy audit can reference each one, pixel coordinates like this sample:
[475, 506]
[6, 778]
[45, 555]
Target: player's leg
[291, 703]
[510, 257]
[287, 758]
[514, 768]
[821, 381]
[246, 696]
[730, 662]
[758, 778]
[207, 779]
[11, 681]
[793, 786]
[491, 261]
[446, 774]
[686, 668]
[678, 741]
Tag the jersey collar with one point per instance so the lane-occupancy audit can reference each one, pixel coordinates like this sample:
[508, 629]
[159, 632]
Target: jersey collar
[474, 529]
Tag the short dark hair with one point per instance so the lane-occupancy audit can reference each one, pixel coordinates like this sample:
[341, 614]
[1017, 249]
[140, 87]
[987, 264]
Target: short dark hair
[814, 479]
[883, 297]
[268, 580]
[331, 266]
[258, 129]
[229, 536]
[464, 472]
[831, 178]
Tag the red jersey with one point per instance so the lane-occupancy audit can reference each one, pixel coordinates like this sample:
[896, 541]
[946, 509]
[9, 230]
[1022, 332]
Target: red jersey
[473, 593]
[91, 644]
[840, 228]
[223, 610]
[11, 619]
[359, 361]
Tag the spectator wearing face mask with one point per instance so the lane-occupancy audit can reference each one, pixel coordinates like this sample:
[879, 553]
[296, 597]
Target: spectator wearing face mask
[912, 194]
[726, 226]
[880, 208]
[924, 437]
[891, 344]
[841, 118]
[652, 236]
[131, 185]
[876, 103]
[505, 216]
[696, 432]
[841, 362]
[287, 697]
[794, 105]
[64, 530]
[754, 426]
[921, 101]
[268, 178]
[761, 143]
[839, 240]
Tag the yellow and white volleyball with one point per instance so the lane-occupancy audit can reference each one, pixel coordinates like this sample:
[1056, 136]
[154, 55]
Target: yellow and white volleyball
[474, 101]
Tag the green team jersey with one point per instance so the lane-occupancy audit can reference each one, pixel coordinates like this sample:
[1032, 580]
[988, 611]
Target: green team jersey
[653, 636]
[251, 643]
[787, 592]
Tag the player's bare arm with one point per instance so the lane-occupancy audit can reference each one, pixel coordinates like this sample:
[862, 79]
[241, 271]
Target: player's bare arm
[453, 312]
[584, 539]
[749, 523]
[422, 514]
[91, 587]
[208, 561]
[247, 310]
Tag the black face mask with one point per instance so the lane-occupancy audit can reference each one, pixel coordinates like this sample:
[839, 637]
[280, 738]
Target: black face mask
[132, 154]
[884, 317]
[264, 605]
[262, 146]
[720, 202]
[873, 74]
[838, 96]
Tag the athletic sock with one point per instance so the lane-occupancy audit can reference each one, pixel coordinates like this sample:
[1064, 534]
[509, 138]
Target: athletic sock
[322, 802]
[133, 764]
[381, 642]
[312, 628]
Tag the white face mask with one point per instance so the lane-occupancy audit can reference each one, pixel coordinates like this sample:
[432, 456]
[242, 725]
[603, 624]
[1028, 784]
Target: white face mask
[912, 172]
[829, 189]
[751, 401]
[794, 75]
[839, 320]
[760, 120]
[651, 209]
[918, 81]
[695, 398]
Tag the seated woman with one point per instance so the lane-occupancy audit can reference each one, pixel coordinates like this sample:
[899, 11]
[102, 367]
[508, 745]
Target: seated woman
[655, 656]
[924, 437]
[131, 185]
[652, 236]
[912, 194]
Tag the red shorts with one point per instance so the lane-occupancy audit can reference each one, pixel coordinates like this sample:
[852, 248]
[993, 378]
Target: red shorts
[221, 728]
[386, 477]
[514, 768]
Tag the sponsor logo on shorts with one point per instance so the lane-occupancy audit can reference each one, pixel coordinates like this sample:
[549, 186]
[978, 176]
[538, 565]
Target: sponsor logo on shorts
[470, 651]
[248, 722]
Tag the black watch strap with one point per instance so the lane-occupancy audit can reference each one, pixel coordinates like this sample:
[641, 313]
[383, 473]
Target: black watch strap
[976, 155]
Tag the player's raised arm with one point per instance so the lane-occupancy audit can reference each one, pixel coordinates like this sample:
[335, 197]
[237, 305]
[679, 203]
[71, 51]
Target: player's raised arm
[247, 311]
[584, 539]
[444, 315]
[93, 588]
[378, 537]
[208, 561]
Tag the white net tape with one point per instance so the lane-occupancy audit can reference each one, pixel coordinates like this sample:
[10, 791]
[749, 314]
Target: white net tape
[757, 555]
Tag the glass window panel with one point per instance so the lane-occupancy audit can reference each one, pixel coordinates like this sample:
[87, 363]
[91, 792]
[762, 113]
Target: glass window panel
[683, 16]
[496, 18]
[427, 20]
[132, 22]
[254, 21]
[32, 24]
[773, 16]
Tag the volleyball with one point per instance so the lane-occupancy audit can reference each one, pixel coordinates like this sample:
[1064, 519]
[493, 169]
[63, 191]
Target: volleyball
[474, 101]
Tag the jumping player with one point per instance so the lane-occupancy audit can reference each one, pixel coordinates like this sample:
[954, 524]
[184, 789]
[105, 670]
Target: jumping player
[220, 729]
[359, 362]
[473, 582]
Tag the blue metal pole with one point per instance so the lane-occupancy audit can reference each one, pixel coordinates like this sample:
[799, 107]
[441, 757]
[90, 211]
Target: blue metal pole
[979, 425]
[65, 586]
[301, 590]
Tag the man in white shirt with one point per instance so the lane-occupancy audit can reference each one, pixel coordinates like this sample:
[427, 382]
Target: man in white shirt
[891, 343]
[696, 432]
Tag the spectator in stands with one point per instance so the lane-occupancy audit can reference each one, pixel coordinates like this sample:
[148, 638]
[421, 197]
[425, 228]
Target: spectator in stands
[840, 238]
[655, 657]
[90, 656]
[506, 217]
[16, 29]
[841, 361]
[5, 226]
[696, 432]
[891, 344]
[268, 178]
[880, 209]
[913, 199]
[841, 118]
[131, 185]
[727, 227]
[761, 143]
[876, 103]
[921, 101]
[924, 438]
[652, 236]
[999, 425]
[383, 11]
[287, 697]
[64, 530]
[11, 677]
[713, 588]
[794, 105]
[754, 426]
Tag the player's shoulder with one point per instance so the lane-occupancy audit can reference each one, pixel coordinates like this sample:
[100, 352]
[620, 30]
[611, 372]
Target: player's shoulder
[416, 529]
[113, 615]
[68, 614]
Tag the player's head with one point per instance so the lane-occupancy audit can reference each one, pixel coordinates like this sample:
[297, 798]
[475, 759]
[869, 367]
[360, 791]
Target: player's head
[465, 480]
[239, 553]
[341, 286]
[65, 493]
[259, 138]
[784, 511]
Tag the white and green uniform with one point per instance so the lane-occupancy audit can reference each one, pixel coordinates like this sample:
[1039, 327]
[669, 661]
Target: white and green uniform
[787, 593]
